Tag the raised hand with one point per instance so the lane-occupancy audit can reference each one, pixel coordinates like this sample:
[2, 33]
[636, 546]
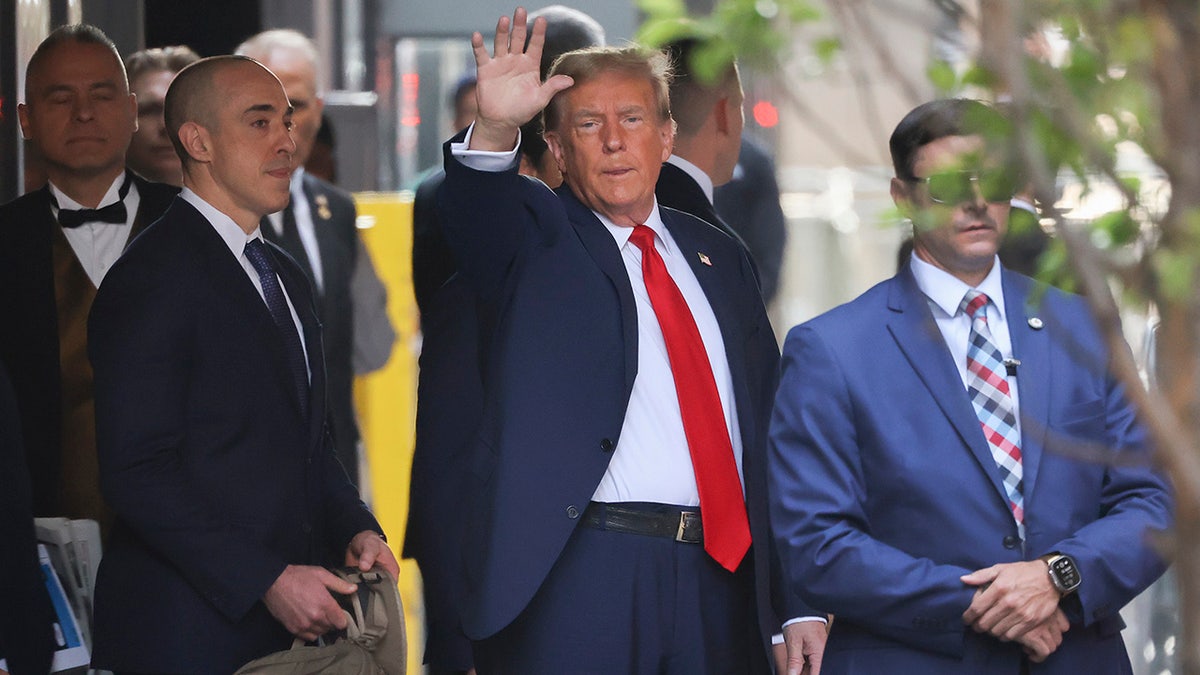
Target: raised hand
[509, 89]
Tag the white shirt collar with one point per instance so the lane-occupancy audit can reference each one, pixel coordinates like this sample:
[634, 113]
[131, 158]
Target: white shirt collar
[696, 173]
[297, 181]
[946, 290]
[233, 236]
[654, 222]
[110, 197]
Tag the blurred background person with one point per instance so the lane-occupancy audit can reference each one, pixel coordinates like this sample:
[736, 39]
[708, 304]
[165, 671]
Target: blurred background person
[150, 71]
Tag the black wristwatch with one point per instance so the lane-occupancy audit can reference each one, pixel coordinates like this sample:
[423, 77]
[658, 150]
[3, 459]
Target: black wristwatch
[1063, 572]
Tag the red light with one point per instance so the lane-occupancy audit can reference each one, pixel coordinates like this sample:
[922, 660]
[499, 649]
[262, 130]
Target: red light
[766, 114]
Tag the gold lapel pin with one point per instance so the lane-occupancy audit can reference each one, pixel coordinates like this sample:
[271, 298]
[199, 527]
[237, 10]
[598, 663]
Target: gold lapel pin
[704, 259]
[323, 207]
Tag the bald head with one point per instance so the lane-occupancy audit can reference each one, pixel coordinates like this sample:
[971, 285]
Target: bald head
[193, 96]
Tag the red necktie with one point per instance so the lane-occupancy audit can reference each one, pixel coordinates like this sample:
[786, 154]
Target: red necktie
[722, 507]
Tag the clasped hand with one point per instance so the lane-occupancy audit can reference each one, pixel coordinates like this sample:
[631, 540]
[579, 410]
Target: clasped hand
[1017, 602]
[300, 597]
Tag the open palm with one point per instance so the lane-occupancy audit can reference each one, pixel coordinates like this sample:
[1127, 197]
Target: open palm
[509, 87]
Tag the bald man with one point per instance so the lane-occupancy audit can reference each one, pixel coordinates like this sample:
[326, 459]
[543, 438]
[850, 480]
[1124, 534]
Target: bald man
[210, 390]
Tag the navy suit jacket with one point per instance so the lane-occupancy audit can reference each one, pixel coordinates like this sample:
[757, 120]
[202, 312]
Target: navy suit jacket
[884, 490]
[29, 342]
[217, 479]
[449, 406]
[559, 343]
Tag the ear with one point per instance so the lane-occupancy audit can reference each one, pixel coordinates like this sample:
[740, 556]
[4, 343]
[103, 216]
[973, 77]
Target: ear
[318, 105]
[555, 145]
[721, 115]
[900, 196]
[667, 132]
[196, 141]
[23, 118]
[133, 110]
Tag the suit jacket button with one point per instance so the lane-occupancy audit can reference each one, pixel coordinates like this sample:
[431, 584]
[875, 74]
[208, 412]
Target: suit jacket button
[606, 445]
[1011, 542]
[572, 512]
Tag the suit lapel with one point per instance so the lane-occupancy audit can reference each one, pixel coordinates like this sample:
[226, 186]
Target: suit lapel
[912, 326]
[1032, 348]
[230, 281]
[603, 250]
[299, 290]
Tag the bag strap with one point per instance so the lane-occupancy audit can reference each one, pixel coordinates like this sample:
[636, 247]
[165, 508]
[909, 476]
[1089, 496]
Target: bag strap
[367, 627]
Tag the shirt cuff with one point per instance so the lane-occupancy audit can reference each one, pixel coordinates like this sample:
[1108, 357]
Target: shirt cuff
[777, 639]
[484, 160]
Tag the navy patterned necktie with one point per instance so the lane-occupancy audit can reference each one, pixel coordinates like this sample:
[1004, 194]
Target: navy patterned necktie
[990, 394]
[256, 252]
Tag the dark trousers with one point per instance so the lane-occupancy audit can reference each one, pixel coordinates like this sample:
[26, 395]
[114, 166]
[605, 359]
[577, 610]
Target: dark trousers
[628, 603]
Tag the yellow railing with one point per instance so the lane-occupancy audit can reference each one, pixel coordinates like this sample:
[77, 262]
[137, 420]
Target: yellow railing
[387, 399]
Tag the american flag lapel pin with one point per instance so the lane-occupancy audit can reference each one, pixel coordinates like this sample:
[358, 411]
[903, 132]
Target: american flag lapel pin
[704, 259]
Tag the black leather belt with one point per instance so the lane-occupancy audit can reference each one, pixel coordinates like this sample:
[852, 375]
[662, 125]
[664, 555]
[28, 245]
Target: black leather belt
[652, 520]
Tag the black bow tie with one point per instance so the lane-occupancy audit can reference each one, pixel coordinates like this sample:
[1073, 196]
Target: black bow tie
[113, 213]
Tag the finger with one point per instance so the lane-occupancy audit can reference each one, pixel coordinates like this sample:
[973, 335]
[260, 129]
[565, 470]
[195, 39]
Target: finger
[336, 583]
[556, 84]
[537, 39]
[516, 44]
[500, 46]
[814, 664]
[980, 577]
[337, 618]
[477, 48]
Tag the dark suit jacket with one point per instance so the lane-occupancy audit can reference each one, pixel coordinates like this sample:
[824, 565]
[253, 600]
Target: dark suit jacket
[559, 338]
[217, 479]
[26, 637]
[449, 408]
[884, 490]
[678, 190]
[29, 343]
[750, 204]
[333, 216]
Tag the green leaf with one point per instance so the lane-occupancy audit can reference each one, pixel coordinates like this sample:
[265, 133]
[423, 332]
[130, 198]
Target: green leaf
[1176, 271]
[943, 77]
[1119, 226]
[663, 9]
[826, 48]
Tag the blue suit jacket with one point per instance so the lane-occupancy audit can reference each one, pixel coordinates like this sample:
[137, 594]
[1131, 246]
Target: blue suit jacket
[558, 329]
[884, 490]
[217, 479]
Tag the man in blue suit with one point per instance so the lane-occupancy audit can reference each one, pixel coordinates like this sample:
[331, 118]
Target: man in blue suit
[214, 444]
[619, 521]
[943, 450]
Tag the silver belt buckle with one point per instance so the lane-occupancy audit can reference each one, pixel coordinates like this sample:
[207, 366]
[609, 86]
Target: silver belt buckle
[686, 520]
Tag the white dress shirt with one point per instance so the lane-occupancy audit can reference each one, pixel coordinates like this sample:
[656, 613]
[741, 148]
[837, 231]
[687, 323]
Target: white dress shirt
[651, 462]
[97, 245]
[945, 292]
[236, 239]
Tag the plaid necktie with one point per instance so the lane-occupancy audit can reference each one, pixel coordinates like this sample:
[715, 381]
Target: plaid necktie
[993, 402]
[256, 252]
[722, 507]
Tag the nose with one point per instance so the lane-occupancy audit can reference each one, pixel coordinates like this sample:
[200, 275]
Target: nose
[287, 144]
[614, 137]
[977, 202]
[85, 109]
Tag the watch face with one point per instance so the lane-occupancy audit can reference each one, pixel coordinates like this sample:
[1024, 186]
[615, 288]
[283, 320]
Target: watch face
[1065, 573]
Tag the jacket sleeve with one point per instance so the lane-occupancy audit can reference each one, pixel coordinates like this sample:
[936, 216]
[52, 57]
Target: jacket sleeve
[820, 525]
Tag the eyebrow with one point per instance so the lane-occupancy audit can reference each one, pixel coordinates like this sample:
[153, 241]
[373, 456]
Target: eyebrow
[624, 110]
[57, 87]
